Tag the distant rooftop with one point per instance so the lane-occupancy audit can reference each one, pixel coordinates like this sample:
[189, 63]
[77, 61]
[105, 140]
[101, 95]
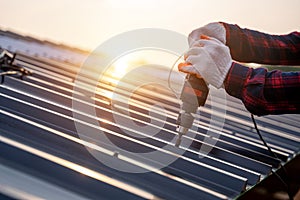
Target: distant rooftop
[38, 48]
[33, 39]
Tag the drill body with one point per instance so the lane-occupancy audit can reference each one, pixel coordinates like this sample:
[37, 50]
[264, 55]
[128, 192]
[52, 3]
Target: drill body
[194, 94]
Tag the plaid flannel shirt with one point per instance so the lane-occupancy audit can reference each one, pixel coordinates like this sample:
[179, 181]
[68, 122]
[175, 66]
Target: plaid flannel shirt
[263, 92]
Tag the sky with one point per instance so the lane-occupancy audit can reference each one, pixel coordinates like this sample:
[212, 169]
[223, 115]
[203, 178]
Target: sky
[86, 24]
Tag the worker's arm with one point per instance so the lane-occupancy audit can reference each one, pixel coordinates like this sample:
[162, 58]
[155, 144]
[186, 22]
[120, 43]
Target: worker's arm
[261, 91]
[252, 46]
[264, 92]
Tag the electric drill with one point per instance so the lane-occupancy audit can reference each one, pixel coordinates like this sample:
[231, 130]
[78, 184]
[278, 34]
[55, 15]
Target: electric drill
[194, 87]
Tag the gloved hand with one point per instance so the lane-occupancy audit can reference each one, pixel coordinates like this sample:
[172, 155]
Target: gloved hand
[214, 30]
[210, 59]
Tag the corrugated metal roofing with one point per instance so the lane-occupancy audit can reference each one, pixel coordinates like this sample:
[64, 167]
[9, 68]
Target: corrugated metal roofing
[40, 143]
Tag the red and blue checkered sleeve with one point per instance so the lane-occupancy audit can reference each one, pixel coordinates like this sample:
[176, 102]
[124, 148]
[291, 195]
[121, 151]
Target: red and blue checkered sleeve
[253, 46]
[264, 92]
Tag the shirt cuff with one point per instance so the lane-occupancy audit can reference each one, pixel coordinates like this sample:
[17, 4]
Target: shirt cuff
[228, 29]
[236, 79]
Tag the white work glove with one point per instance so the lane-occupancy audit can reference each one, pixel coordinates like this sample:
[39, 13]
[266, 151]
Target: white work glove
[214, 30]
[210, 59]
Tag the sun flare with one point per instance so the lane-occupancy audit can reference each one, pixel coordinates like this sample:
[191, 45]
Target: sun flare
[120, 68]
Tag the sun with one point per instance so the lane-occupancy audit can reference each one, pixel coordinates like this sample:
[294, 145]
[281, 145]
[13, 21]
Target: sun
[123, 65]
[120, 67]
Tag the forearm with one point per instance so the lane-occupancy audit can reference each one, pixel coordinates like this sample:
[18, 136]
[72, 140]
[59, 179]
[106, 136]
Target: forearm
[252, 46]
[264, 92]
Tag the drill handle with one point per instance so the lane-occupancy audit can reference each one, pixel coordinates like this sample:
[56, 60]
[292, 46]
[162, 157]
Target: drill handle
[194, 87]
